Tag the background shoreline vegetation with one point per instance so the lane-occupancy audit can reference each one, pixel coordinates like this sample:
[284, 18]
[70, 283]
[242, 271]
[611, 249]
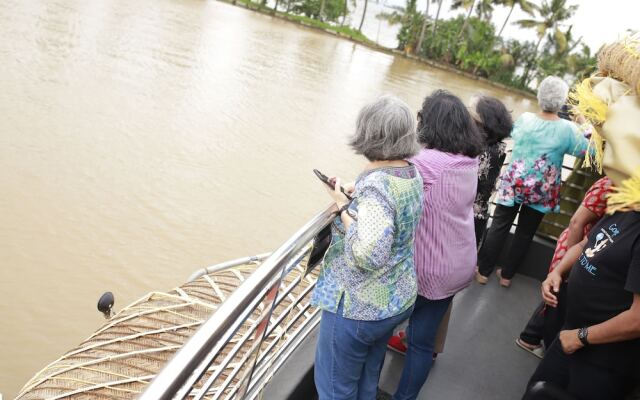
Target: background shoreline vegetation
[470, 42]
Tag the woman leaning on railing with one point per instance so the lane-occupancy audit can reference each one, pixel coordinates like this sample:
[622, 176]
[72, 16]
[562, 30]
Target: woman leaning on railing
[367, 284]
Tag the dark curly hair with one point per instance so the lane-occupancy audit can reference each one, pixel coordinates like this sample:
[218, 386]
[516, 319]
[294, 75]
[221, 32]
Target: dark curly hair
[495, 120]
[444, 124]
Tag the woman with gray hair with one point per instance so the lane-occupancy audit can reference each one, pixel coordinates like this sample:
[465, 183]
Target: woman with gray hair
[367, 283]
[531, 182]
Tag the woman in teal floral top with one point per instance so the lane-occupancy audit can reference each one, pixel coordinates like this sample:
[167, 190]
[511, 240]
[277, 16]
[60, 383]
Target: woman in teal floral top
[533, 176]
[367, 284]
[531, 182]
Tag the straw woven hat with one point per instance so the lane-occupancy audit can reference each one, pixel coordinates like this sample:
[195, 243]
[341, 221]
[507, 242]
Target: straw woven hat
[621, 60]
[610, 100]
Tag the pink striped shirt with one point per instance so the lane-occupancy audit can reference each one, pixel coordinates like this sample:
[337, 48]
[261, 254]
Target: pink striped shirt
[445, 243]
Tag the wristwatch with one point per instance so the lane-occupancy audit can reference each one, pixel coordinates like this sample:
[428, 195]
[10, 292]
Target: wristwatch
[343, 208]
[582, 335]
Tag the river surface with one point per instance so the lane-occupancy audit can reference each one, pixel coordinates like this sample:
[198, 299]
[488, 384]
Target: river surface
[142, 140]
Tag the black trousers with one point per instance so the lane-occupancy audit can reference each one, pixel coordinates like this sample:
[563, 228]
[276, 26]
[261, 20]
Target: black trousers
[581, 379]
[503, 218]
[546, 322]
[533, 332]
[480, 226]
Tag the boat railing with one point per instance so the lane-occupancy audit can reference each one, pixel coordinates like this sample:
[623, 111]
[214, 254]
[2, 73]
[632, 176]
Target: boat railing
[235, 352]
[257, 259]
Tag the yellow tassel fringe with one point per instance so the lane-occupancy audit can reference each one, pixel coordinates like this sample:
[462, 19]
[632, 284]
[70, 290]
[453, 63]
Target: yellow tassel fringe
[595, 151]
[625, 197]
[595, 111]
[588, 104]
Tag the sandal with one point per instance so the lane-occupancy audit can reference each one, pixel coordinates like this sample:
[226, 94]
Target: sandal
[537, 351]
[505, 283]
[481, 279]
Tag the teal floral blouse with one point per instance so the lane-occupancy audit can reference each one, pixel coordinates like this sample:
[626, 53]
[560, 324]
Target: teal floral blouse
[534, 175]
[371, 264]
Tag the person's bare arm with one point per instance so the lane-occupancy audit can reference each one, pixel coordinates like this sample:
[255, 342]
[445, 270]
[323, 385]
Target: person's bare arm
[551, 285]
[622, 327]
[581, 218]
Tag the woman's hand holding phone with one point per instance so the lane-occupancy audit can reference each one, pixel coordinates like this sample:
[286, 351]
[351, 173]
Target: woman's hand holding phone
[349, 188]
[333, 186]
[337, 193]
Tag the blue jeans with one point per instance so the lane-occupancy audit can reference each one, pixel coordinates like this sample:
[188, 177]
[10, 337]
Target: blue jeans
[421, 335]
[349, 355]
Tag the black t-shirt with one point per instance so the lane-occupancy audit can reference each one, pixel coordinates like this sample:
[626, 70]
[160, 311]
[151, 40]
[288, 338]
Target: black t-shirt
[602, 284]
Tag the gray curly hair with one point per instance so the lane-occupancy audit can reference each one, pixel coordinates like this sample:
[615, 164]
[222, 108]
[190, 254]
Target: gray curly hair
[385, 130]
[552, 94]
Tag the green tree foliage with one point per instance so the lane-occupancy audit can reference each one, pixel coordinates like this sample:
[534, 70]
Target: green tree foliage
[423, 29]
[524, 5]
[514, 54]
[469, 41]
[551, 15]
[332, 10]
[410, 21]
[559, 58]
[482, 8]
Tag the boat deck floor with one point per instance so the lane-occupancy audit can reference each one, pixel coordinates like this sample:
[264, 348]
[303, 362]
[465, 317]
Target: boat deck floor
[480, 359]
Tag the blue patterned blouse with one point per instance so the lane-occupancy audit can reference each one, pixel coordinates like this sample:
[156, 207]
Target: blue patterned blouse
[534, 175]
[371, 265]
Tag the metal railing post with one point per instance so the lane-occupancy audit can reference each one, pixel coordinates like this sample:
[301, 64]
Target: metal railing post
[177, 378]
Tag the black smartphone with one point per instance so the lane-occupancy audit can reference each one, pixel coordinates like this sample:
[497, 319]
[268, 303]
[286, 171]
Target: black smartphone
[328, 182]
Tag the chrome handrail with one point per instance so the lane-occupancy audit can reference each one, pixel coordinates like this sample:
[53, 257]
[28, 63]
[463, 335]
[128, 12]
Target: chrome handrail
[227, 264]
[177, 378]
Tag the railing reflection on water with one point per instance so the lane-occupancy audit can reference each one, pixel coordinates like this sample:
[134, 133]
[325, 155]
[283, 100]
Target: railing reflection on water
[236, 351]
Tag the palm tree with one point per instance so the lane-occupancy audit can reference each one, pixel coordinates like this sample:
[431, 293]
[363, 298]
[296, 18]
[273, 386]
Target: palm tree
[484, 9]
[467, 4]
[558, 57]
[524, 5]
[551, 14]
[435, 22]
[364, 12]
[345, 11]
[423, 29]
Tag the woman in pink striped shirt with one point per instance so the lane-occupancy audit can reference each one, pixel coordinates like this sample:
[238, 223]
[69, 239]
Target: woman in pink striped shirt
[445, 244]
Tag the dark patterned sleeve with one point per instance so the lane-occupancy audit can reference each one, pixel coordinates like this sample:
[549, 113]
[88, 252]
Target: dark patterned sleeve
[491, 165]
[495, 167]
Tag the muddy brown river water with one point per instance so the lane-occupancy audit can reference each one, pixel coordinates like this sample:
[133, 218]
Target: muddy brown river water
[141, 140]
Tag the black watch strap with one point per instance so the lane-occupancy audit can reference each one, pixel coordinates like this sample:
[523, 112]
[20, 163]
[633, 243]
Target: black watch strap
[343, 208]
[583, 334]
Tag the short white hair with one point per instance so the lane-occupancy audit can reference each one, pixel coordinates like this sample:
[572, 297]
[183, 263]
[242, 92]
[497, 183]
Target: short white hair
[385, 130]
[552, 94]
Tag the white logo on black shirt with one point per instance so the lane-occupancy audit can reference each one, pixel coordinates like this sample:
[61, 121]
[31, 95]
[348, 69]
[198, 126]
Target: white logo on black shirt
[603, 239]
